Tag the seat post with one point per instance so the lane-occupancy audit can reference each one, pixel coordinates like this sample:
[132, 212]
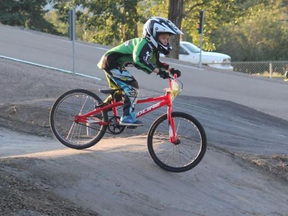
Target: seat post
[115, 94]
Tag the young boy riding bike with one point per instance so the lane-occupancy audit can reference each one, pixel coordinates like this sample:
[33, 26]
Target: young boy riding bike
[143, 53]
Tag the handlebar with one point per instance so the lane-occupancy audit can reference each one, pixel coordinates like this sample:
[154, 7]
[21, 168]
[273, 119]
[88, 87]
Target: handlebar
[174, 78]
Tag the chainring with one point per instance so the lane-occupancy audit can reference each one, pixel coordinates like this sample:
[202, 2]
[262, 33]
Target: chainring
[114, 127]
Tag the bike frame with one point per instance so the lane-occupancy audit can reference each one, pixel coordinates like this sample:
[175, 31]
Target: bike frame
[164, 100]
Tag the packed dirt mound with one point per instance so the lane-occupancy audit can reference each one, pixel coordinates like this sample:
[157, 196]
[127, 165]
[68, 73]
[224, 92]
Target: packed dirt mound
[124, 176]
[29, 117]
[118, 177]
[28, 111]
[18, 197]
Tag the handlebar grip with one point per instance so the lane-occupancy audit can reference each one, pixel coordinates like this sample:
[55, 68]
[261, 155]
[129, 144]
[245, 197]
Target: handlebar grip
[172, 76]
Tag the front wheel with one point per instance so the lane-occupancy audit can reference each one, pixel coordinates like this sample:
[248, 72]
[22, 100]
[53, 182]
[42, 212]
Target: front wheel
[184, 155]
[74, 134]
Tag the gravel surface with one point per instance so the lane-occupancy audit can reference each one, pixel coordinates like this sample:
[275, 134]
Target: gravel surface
[18, 197]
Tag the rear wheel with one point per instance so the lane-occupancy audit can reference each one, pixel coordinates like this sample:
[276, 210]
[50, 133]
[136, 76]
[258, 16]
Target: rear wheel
[66, 130]
[184, 155]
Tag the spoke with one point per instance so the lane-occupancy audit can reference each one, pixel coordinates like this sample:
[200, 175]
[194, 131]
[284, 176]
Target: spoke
[79, 133]
[87, 129]
[178, 125]
[70, 131]
[169, 156]
[81, 109]
[191, 143]
[185, 155]
[174, 155]
[73, 133]
[179, 154]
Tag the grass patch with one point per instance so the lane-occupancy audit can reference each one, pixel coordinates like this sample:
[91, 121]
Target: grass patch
[277, 164]
[273, 75]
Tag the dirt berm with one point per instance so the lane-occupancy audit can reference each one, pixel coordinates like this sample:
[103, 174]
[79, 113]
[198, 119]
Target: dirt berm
[39, 176]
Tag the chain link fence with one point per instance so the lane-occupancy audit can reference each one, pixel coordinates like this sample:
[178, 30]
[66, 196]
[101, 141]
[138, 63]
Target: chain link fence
[261, 68]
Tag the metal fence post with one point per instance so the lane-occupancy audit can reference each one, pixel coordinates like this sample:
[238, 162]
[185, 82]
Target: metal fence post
[72, 34]
[201, 28]
[270, 69]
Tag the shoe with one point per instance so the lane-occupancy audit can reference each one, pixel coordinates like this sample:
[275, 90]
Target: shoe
[130, 121]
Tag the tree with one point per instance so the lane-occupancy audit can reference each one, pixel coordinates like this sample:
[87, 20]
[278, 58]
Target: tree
[26, 13]
[103, 21]
[175, 15]
[258, 36]
[184, 13]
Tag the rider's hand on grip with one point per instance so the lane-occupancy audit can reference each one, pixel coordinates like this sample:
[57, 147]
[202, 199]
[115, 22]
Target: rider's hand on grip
[164, 65]
[163, 74]
[175, 71]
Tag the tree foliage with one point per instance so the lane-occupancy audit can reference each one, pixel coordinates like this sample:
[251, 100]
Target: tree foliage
[258, 36]
[186, 17]
[245, 29]
[26, 13]
[103, 21]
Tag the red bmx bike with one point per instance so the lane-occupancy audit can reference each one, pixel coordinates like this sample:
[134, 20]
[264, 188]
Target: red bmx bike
[176, 140]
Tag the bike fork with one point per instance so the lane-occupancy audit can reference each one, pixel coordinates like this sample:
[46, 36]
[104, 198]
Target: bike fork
[172, 130]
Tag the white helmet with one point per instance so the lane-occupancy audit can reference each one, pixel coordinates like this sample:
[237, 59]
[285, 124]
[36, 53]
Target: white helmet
[155, 26]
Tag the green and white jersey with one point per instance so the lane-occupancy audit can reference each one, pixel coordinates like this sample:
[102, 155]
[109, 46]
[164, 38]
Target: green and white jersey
[136, 51]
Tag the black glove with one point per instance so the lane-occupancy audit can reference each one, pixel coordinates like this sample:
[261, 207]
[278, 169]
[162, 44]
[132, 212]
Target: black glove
[163, 65]
[163, 74]
[175, 71]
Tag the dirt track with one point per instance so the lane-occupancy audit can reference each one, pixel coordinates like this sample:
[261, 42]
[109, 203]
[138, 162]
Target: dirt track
[117, 176]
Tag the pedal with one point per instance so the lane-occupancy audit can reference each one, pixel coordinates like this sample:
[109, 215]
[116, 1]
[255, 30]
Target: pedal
[132, 127]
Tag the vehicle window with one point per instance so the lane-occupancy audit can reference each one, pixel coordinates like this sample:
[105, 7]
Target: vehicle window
[192, 47]
[182, 51]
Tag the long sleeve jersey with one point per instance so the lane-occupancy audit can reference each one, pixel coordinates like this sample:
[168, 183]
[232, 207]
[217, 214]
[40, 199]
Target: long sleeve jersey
[136, 51]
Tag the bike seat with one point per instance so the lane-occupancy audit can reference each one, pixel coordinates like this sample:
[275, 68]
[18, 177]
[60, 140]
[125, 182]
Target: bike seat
[108, 91]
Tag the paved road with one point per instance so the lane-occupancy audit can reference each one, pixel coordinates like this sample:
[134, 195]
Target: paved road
[268, 96]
